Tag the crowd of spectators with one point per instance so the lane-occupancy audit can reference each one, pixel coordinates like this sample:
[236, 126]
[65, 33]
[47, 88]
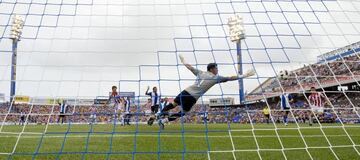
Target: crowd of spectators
[330, 72]
[342, 108]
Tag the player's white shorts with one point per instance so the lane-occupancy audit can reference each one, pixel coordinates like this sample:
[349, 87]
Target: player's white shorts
[121, 117]
[93, 116]
[317, 109]
[117, 107]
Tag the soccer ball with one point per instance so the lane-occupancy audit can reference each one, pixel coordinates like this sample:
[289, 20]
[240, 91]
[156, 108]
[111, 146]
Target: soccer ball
[284, 74]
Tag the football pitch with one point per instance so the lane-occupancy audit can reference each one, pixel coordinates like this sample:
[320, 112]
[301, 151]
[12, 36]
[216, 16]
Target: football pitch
[188, 141]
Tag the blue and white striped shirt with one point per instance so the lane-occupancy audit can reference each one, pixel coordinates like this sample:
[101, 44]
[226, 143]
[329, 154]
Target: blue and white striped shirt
[154, 98]
[127, 106]
[63, 108]
[284, 100]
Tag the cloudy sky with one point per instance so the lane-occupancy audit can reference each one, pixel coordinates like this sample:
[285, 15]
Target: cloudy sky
[80, 48]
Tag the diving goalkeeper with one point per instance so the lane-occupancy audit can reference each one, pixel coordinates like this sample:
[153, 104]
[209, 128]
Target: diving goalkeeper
[188, 97]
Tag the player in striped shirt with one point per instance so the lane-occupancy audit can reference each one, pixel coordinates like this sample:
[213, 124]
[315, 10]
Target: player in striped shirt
[155, 98]
[164, 102]
[22, 117]
[92, 118]
[204, 116]
[114, 100]
[126, 114]
[316, 102]
[63, 107]
[286, 99]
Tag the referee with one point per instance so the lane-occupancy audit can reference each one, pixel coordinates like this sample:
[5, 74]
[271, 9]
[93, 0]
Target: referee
[266, 112]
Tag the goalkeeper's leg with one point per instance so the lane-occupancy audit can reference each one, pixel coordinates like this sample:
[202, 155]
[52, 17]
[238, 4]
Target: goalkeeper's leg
[171, 117]
[164, 112]
[184, 99]
[167, 108]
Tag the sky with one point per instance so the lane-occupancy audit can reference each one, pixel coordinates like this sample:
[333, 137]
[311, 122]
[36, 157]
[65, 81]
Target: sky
[81, 48]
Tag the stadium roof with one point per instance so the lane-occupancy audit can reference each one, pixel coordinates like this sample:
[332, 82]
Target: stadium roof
[338, 53]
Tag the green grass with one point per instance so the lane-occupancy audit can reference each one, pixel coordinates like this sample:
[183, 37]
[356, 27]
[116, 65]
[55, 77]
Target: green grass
[190, 141]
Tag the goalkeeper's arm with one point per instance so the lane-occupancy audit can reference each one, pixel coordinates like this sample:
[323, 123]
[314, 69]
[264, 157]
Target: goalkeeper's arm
[189, 66]
[249, 73]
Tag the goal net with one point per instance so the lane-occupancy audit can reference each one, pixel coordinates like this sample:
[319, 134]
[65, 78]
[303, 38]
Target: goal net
[57, 75]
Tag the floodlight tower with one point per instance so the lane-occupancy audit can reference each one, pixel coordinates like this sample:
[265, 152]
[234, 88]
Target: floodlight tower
[16, 30]
[237, 33]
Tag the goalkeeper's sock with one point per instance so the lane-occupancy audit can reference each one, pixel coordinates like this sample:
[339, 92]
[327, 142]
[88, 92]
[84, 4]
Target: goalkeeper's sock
[173, 117]
[167, 108]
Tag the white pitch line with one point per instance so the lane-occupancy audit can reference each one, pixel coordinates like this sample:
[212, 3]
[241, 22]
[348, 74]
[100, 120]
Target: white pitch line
[175, 136]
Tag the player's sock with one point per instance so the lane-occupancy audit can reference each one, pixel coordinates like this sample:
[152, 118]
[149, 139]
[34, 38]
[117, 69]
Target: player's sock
[176, 115]
[115, 118]
[161, 123]
[285, 119]
[167, 108]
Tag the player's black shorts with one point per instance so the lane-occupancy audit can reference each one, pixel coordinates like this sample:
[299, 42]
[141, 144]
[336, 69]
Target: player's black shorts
[155, 108]
[127, 115]
[267, 116]
[62, 114]
[287, 110]
[186, 100]
[22, 118]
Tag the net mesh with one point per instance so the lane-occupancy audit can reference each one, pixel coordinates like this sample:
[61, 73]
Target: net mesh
[75, 50]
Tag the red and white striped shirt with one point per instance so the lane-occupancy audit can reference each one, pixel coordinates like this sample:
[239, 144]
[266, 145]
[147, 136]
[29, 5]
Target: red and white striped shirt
[316, 100]
[114, 97]
[93, 110]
